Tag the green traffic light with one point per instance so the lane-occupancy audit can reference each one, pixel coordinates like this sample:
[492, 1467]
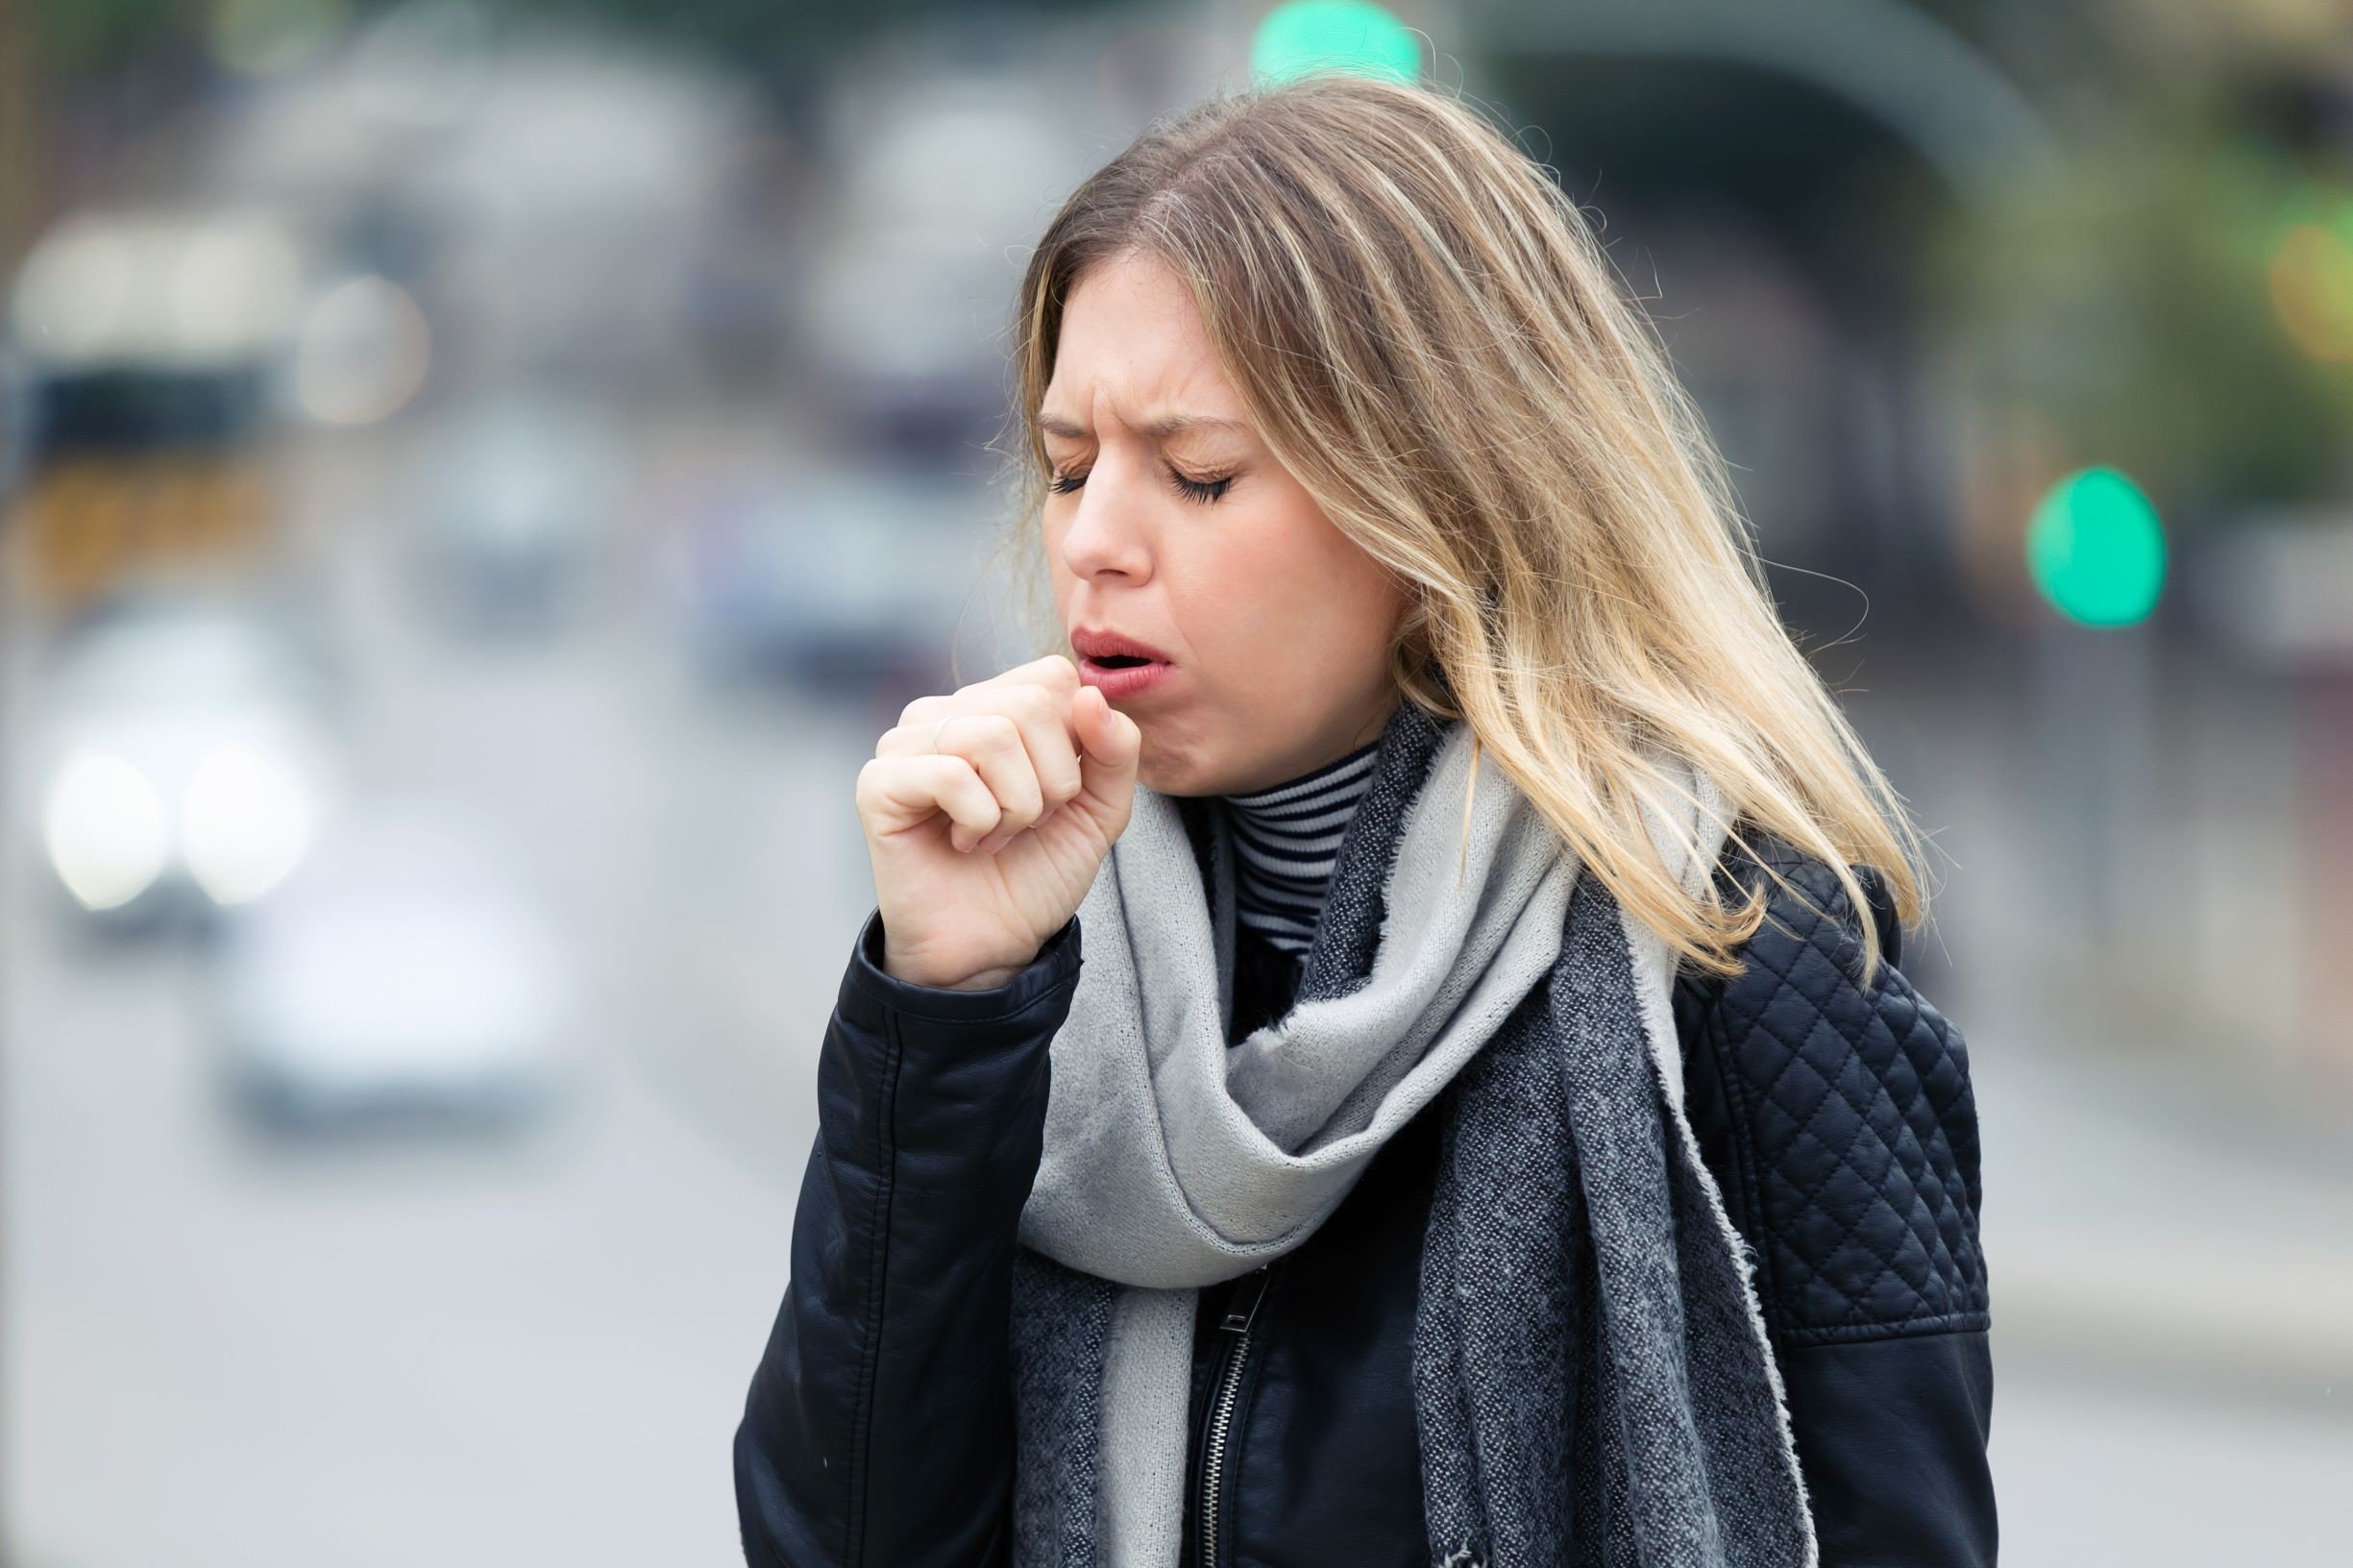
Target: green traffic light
[2097, 549]
[1356, 35]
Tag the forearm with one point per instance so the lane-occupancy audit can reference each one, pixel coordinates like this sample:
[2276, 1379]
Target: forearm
[878, 1427]
[1891, 1438]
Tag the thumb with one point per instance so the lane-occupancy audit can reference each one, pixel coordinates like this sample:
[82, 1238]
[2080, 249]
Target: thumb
[1111, 744]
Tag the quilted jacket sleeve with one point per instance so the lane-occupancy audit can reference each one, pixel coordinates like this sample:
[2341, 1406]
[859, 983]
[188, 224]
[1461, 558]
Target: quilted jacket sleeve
[1839, 1120]
[864, 1440]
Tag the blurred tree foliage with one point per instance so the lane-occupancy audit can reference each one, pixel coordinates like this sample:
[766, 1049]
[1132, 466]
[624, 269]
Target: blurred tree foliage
[2131, 302]
[768, 24]
[79, 39]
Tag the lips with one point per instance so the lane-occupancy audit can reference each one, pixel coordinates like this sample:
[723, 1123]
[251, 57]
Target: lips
[1118, 665]
[1113, 648]
[1119, 682]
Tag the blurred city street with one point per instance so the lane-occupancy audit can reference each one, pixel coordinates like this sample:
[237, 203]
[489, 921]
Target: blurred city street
[478, 1347]
[474, 486]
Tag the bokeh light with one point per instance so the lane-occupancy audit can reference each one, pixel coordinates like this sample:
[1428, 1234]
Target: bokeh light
[1356, 35]
[2096, 548]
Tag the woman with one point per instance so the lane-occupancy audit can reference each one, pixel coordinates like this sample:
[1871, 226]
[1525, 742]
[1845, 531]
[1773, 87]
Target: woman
[1487, 1125]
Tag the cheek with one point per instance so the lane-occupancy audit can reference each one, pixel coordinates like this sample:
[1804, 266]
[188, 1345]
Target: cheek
[1244, 598]
[1058, 574]
[1287, 590]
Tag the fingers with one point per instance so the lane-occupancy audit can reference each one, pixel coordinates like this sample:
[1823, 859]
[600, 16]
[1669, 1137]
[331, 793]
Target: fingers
[896, 793]
[1113, 743]
[1054, 671]
[1041, 715]
[992, 743]
[1014, 731]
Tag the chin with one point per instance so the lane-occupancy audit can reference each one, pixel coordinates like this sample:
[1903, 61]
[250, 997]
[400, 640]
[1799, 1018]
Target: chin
[1166, 774]
[1182, 755]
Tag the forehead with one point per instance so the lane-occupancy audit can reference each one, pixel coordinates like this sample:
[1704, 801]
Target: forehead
[1132, 344]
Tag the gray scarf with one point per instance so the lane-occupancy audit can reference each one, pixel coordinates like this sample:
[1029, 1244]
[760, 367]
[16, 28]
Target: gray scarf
[1592, 1380]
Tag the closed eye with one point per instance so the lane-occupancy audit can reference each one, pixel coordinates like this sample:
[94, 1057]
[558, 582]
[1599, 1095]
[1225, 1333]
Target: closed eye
[1204, 491]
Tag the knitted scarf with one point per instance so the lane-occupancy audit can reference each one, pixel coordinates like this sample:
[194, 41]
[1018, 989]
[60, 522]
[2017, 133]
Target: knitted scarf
[1592, 1380]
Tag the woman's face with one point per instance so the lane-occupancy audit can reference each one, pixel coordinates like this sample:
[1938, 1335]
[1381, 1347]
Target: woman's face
[1171, 524]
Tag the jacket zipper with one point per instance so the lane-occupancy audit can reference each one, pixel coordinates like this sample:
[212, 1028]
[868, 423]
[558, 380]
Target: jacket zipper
[1241, 1311]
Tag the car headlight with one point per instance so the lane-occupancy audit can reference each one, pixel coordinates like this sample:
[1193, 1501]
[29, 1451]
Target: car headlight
[105, 829]
[245, 823]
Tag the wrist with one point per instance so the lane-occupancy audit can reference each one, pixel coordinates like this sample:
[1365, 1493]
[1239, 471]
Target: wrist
[909, 992]
[985, 980]
[914, 975]
[914, 972]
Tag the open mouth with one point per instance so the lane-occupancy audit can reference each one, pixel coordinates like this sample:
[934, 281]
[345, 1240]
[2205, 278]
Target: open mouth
[1119, 661]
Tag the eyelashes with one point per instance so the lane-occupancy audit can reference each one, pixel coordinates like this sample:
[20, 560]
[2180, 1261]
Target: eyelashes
[1203, 491]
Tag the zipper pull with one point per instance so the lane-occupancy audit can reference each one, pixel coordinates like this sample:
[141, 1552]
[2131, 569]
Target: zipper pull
[1243, 1304]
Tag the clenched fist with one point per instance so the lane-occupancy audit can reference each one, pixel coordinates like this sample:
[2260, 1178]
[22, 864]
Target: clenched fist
[986, 814]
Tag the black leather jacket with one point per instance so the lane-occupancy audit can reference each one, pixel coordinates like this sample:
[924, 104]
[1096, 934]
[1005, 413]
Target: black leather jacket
[1838, 1120]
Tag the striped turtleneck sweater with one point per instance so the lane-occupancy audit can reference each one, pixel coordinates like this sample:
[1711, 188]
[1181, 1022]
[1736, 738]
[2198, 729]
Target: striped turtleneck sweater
[1287, 839]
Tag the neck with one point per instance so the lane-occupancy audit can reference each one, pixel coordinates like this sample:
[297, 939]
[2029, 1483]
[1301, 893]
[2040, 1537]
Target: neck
[1287, 841]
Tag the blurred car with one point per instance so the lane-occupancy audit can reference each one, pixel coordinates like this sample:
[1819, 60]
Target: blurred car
[518, 493]
[179, 755]
[835, 581]
[149, 341]
[406, 971]
[944, 174]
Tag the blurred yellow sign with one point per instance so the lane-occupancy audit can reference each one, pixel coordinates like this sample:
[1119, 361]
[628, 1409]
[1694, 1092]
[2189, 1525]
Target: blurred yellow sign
[91, 523]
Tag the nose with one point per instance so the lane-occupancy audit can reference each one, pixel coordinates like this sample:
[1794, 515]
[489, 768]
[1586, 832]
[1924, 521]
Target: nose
[1108, 532]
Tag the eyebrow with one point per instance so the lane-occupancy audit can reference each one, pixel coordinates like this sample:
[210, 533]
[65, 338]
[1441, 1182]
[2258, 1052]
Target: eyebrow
[1160, 430]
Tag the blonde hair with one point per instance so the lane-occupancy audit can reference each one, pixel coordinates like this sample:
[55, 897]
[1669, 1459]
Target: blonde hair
[1430, 339]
